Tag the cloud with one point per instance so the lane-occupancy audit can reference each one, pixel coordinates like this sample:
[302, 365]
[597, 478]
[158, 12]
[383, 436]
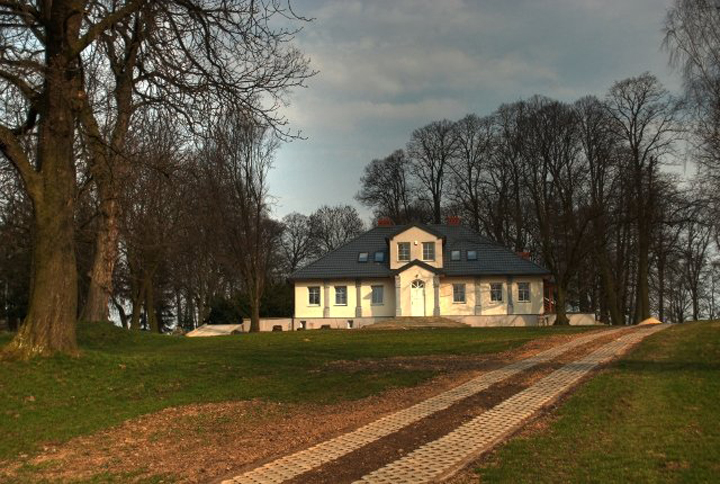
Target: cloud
[386, 68]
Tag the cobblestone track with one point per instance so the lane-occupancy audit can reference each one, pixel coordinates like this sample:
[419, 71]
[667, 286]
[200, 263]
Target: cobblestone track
[441, 458]
[292, 465]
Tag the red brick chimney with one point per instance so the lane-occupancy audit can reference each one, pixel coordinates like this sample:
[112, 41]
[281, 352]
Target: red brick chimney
[453, 220]
[524, 255]
[385, 222]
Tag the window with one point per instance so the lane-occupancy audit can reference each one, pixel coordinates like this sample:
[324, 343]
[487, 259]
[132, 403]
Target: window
[314, 296]
[341, 295]
[472, 255]
[458, 293]
[428, 250]
[363, 257]
[523, 291]
[379, 256]
[455, 255]
[403, 250]
[496, 292]
[378, 295]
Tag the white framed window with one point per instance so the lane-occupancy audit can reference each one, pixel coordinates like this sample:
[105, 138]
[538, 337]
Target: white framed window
[341, 295]
[379, 256]
[314, 296]
[458, 293]
[496, 291]
[363, 257]
[403, 251]
[378, 295]
[454, 255]
[523, 292]
[428, 250]
[472, 255]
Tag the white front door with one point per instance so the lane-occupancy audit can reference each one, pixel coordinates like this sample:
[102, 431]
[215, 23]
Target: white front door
[417, 298]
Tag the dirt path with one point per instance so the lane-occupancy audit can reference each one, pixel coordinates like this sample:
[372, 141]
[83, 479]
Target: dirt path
[203, 443]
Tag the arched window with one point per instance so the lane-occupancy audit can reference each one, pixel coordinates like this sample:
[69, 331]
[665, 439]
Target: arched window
[417, 284]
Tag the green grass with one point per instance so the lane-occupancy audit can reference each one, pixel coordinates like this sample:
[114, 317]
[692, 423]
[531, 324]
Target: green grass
[653, 417]
[124, 374]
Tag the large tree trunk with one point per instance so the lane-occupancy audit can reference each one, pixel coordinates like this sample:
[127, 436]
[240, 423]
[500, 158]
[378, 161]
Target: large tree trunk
[561, 318]
[50, 323]
[106, 249]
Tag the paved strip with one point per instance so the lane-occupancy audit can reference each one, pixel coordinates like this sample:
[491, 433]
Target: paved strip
[441, 458]
[293, 465]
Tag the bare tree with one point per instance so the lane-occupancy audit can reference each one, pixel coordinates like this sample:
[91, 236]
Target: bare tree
[692, 36]
[297, 243]
[189, 55]
[241, 152]
[430, 150]
[645, 118]
[470, 165]
[385, 187]
[556, 181]
[335, 226]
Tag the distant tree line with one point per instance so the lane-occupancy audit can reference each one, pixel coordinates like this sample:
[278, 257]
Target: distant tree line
[581, 186]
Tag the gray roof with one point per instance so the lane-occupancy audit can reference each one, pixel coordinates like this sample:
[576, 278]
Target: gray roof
[492, 258]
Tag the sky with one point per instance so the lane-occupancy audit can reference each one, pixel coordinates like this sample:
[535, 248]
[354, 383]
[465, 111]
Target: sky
[386, 68]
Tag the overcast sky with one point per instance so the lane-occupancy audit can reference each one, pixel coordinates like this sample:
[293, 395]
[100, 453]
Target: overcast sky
[389, 67]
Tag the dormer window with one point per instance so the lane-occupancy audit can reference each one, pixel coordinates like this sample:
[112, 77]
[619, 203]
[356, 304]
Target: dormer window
[472, 255]
[403, 251]
[363, 257]
[379, 256]
[428, 250]
[455, 255]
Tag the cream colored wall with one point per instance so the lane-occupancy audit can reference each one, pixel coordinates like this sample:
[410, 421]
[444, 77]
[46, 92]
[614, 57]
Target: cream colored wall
[347, 310]
[415, 235]
[491, 307]
[377, 310]
[302, 308]
[535, 306]
[447, 306]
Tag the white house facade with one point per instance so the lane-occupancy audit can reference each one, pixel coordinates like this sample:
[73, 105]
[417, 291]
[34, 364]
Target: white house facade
[417, 271]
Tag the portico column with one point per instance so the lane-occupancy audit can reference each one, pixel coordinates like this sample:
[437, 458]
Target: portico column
[510, 307]
[398, 294]
[326, 299]
[358, 298]
[478, 297]
[436, 293]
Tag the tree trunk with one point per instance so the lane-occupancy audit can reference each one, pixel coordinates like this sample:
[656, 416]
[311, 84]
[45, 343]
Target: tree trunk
[561, 318]
[106, 249]
[642, 308]
[137, 304]
[150, 308]
[50, 323]
[610, 294]
[49, 326]
[255, 311]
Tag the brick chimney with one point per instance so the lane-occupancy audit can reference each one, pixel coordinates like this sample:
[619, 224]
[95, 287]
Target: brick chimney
[524, 255]
[453, 220]
[385, 222]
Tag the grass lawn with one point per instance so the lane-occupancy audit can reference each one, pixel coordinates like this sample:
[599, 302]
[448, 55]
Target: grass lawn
[652, 417]
[123, 374]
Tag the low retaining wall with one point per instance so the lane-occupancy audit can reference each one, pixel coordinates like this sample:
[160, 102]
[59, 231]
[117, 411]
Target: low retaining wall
[576, 319]
[268, 324]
